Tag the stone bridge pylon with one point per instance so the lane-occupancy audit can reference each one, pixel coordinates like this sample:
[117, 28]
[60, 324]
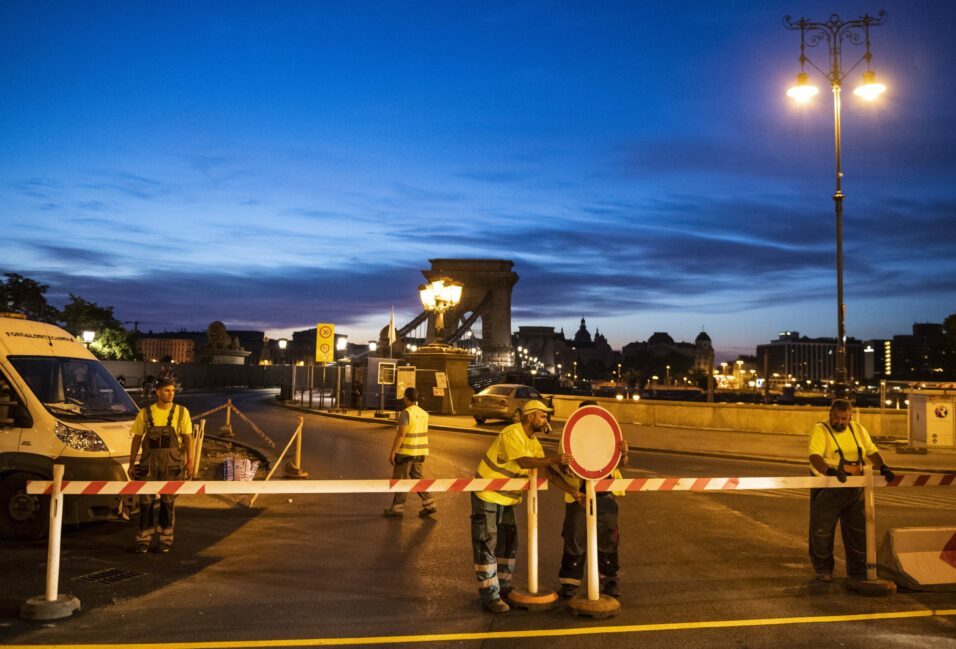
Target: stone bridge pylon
[487, 295]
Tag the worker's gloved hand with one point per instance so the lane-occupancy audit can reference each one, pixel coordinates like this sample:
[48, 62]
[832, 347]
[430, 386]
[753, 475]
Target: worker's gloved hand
[140, 471]
[839, 473]
[887, 473]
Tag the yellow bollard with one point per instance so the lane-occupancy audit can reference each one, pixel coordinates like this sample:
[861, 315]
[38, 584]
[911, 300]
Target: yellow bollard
[226, 430]
[294, 468]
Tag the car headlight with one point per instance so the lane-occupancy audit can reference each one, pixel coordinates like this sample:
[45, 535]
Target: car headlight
[81, 440]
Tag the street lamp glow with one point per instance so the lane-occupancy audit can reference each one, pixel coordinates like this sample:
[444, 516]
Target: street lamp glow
[439, 296]
[372, 346]
[804, 90]
[870, 89]
[283, 343]
[88, 336]
[342, 343]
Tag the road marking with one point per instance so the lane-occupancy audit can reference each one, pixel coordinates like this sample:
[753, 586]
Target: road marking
[499, 635]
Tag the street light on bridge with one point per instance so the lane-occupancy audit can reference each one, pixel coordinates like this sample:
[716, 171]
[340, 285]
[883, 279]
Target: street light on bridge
[439, 296]
[836, 32]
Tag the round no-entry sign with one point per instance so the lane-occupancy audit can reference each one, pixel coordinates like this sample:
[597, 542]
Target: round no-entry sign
[592, 437]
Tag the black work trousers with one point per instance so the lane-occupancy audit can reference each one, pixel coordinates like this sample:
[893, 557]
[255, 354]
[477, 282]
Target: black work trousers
[827, 508]
[574, 557]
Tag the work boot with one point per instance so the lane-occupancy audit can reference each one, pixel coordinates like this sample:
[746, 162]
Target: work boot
[164, 546]
[611, 588]
[142, 547]
[391, 513]
[427, 511]
[568, 591]
[824, 577]
[496, 606]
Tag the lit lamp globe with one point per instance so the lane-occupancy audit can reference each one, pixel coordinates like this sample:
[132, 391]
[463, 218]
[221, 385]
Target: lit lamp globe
[439, 296]
[88, 336]
[870, 89]
[803, 91]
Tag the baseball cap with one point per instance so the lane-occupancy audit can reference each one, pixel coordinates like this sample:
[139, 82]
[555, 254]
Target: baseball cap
[534, 405]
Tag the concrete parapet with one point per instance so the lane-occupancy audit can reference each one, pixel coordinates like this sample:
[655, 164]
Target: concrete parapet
[757, 418]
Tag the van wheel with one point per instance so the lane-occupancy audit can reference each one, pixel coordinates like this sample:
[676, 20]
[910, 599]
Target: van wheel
[479, 420]
[22, 517]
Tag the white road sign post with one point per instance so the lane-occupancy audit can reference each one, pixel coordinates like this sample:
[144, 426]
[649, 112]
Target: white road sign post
[592, 437]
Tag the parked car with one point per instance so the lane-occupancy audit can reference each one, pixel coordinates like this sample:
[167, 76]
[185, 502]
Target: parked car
[503, 401]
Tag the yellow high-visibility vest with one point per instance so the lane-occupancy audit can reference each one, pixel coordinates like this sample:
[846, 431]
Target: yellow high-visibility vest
[416, 433]
[499, 462]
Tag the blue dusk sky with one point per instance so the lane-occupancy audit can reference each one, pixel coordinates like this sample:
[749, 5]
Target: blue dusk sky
[277, 164]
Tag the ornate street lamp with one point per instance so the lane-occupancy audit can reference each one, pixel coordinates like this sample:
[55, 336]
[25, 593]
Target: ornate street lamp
[439, 296]
[836, 33]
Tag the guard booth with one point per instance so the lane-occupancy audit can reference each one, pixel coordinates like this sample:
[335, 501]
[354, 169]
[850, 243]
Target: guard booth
[932, 418]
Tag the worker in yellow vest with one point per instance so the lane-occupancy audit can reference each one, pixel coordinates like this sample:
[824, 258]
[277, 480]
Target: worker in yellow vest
[574, 532]
[839, 447]
[408, 454]
[494, 534]
[164, 432]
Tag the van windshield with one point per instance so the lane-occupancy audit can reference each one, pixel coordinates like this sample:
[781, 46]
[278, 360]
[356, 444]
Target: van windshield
[75, 388]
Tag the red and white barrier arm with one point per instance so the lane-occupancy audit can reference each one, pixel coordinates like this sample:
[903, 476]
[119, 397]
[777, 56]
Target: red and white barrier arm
[92, 487]
[797, 482]
[179, 487]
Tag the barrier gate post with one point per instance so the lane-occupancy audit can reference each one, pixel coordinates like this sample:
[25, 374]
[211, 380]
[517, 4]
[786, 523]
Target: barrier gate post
[872, 586]
[52, 605]
[531, 599]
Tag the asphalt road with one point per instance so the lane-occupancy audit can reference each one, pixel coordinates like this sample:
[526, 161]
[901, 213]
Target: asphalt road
[698, 570]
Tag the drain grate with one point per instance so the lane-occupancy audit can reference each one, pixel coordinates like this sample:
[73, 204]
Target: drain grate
[110, 576]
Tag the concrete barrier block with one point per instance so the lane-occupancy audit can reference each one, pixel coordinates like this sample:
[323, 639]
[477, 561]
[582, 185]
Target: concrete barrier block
[920, 558]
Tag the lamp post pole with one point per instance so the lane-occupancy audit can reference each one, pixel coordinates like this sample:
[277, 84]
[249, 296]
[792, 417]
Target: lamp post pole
[835, 32]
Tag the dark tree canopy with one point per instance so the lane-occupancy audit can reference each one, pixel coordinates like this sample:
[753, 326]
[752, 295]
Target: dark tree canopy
[19, 294]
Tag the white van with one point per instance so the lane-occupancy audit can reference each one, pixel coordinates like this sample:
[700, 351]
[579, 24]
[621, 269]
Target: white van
[58, 404]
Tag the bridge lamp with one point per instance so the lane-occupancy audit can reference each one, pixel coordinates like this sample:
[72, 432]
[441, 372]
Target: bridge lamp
[438, 297]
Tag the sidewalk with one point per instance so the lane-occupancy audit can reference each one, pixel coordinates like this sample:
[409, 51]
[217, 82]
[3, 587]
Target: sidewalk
[766, 447]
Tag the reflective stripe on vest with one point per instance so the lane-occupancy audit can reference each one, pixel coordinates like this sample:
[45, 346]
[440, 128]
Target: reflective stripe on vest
[493, 466]
[416, 433]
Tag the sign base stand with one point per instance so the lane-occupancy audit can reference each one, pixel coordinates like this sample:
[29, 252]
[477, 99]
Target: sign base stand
[871, 587]
[39, 608]
[602, 607]
[540, 601]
